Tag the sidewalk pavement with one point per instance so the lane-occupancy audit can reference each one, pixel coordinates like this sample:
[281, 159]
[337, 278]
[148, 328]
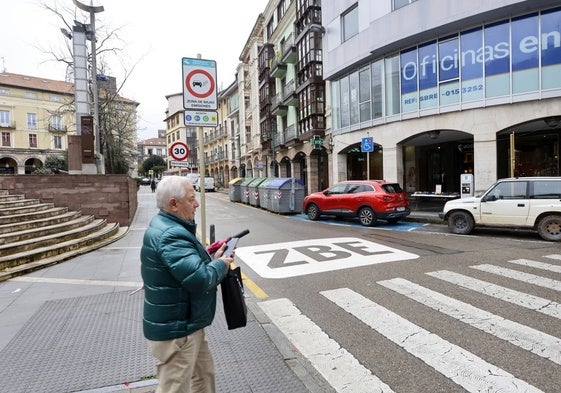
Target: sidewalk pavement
[77, 327]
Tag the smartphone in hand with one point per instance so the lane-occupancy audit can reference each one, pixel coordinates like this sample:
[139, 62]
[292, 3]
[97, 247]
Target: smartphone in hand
[233, 242]
[230, 246]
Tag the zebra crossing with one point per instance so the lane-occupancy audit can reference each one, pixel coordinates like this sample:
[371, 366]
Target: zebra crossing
[473, 373]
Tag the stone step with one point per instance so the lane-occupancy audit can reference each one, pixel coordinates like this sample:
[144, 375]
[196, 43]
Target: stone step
[34, 234]
[42, 231]
[29, 208]
[45, 241]
[8, 198]
[18, 202]
[34, 215]
[21, 225]
[77, 245]
[90, 243]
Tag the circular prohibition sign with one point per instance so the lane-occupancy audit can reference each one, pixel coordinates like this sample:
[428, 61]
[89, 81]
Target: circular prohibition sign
[189, 86]
[179, 151]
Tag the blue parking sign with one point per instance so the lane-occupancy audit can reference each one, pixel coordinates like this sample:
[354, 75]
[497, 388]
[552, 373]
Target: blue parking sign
[367, 145]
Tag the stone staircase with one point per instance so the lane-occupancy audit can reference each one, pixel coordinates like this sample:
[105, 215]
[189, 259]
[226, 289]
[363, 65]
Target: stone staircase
[34, 235]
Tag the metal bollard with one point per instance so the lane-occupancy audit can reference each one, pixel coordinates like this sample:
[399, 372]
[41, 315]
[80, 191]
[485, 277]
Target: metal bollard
[212, 234]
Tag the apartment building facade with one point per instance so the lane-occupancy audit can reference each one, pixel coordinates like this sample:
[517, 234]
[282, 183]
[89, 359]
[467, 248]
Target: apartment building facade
[444, 89]
[36, 116]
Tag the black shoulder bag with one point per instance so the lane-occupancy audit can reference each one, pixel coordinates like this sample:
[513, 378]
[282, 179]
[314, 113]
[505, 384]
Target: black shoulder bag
[232, 290]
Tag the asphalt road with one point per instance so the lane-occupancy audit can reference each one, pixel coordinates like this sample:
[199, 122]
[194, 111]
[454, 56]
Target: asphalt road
[404, 308]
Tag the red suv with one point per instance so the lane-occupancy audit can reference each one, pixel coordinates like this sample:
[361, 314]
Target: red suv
[368, 200]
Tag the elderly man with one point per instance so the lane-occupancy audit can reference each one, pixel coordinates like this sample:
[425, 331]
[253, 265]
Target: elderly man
[180, 283]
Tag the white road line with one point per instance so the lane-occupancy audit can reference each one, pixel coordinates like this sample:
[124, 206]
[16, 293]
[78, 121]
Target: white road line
[78, 282]
[464, 368]
[537, 265]
[536, 303]
[553, 256]
[339, 368]
[521, 276]
[539, 343]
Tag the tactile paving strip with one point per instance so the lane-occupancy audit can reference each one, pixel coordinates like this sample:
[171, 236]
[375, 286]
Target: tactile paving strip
[78, 343]
[92, 342]
[246, 359]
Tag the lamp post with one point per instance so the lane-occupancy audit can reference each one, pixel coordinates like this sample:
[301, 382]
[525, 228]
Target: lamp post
[92, 11]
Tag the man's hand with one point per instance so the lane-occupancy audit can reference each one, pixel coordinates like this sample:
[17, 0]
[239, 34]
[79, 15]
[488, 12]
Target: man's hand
[216, 245]
[220, 251]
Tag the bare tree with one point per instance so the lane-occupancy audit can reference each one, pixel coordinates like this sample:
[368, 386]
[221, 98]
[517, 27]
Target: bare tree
[117, 115]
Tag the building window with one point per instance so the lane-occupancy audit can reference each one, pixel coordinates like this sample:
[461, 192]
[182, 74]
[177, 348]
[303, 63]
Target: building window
[32, 140]
[6, 139]
[56, 123]
[32, 121]
[349, 23]
[4, 118]
[57, 142]
[270, 28]
[397, 4]
[55, 98]
[4, 92]
[30, 94]
[281, 9]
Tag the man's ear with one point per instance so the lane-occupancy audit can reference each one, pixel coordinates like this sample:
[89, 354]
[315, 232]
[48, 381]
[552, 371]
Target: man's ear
[172, 204]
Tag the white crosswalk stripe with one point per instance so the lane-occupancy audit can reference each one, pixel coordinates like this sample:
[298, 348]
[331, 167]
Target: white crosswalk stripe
[468, 370]
[338, 367]
[532, 340]
[536, 303]
[537, 265]
[521, 276]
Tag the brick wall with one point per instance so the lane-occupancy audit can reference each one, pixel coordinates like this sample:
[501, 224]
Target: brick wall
[112, 197]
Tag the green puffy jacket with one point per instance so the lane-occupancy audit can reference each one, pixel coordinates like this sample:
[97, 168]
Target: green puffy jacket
[180, 279]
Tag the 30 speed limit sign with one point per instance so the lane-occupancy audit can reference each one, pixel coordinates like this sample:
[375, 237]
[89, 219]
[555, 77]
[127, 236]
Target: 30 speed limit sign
[179, 151]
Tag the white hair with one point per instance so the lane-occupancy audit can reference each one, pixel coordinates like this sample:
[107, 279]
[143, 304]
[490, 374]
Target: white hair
[170, 187]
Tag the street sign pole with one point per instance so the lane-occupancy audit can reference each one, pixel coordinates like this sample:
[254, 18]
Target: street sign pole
[199, 94]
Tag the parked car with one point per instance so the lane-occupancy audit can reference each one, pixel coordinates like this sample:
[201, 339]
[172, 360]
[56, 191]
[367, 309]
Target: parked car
[208, 184]
[524, 203]
[368, 200]
[145, 181]
[192, 177]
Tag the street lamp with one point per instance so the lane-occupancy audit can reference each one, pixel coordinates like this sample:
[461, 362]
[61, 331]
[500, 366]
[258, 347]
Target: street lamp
[93, 10]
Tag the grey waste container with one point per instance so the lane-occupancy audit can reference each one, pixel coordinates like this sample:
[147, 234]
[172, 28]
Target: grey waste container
[234, 189]
[244, 191]
[264, 199]
[254, 191]
[287, 195]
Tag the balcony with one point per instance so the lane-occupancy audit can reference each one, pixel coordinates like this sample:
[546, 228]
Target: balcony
[278, 67]
[291, 136]
[289, 54]
[9, 124]
[277, 106]
[290, 98]
[57, 128]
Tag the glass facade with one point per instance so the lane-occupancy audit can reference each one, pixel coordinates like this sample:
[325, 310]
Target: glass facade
[517, 57]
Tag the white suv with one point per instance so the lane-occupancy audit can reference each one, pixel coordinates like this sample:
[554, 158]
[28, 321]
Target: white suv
[526, 202]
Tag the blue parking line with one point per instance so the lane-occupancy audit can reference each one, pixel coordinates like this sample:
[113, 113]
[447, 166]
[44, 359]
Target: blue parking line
[402, 226]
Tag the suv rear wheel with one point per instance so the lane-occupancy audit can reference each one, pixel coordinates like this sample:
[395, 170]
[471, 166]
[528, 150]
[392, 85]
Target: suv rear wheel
[460, 223]
[367, 216]
[549, 228]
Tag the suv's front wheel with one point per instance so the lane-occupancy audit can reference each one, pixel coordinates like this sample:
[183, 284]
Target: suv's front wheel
[549, 228]
[460, 223]
[313, 212]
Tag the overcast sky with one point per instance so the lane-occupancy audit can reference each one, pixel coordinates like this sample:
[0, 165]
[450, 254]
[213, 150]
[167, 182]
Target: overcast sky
[156, 35]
